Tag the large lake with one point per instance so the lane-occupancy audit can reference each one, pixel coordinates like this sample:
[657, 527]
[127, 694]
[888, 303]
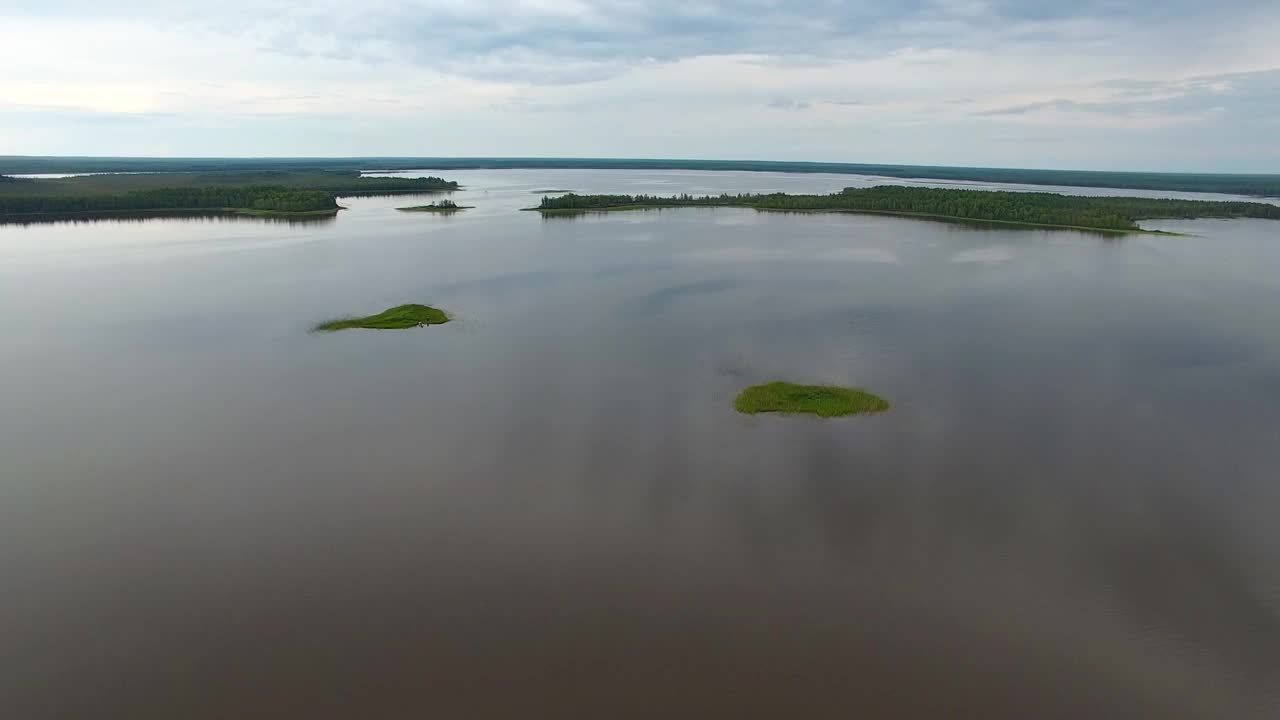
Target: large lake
[549, 509]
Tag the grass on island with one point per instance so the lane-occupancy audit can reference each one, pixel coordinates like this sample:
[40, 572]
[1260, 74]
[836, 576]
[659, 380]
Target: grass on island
[820, 400]
[440, 206]
[397, 318]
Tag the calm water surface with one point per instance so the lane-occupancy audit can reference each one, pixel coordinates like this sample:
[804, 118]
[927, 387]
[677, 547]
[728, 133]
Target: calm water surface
[550, 509]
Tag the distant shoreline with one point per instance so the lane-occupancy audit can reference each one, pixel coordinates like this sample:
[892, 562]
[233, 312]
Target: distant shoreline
[1258, 185]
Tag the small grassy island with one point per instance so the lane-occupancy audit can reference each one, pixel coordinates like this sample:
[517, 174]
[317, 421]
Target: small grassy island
[1034, 209]
[821, 400]
[400, 317]
[439, 206]
[550, 192]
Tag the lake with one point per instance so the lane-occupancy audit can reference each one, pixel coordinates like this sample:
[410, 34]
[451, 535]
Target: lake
[549, 507]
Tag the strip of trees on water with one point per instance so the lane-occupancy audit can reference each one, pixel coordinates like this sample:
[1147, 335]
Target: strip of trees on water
[339, 182]
[260, 197]
[1104, 213]
[276, 191]
[351, 184]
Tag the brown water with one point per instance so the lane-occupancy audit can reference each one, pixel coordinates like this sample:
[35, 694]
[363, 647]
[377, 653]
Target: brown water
[550, 509]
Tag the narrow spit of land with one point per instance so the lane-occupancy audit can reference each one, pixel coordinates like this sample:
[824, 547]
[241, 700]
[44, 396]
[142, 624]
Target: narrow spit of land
[400, 317]
[1050, 210]
[820, 400]
[440, 206]
[258, 193]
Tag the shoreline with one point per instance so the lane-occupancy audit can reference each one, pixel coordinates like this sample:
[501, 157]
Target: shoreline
[437, 210]
[376, 193]
[1257, 185]
[171, 211]
[891, 213]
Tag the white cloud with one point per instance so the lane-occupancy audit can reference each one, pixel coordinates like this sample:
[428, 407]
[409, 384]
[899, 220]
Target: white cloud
[933, 82]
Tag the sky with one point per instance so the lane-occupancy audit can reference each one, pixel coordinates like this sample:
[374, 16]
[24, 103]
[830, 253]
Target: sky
[1092, 84]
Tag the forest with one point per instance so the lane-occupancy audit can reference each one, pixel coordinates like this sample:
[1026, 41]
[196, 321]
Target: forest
[267, 191]
[259, 197]
[1051, 209]
[338, 182]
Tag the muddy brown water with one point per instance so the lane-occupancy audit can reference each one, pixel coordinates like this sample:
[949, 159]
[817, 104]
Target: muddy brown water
[548, 508]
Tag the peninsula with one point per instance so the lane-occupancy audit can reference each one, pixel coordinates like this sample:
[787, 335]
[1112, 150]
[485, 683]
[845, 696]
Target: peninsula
[1034, 209]
[257, 193]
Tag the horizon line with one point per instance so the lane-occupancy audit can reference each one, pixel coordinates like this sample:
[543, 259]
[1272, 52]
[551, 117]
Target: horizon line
[553, 158]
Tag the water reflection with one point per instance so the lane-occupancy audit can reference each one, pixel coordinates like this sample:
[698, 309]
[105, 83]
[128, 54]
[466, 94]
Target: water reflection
[207, 511]
[983, 226]
[201, 216]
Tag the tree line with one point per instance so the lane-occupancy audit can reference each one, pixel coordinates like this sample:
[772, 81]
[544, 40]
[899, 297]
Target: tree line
[1107, 213]
[353, 184]
[257, 197]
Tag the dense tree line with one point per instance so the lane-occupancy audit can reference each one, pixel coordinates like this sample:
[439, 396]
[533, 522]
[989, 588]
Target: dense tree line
[1109, 213]
[339, 183]
[373, 185]
[279, 191]
[258, 197]
[1264, 185]
[335, 181]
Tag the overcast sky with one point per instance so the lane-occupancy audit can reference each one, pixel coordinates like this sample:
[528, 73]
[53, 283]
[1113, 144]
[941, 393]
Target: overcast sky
[1105, 84]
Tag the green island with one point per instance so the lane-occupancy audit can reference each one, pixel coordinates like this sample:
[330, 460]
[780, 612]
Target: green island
[820, 400]
[1037, 209]
[550, 192]
[312, 192]
[400, 317]
[439, 206]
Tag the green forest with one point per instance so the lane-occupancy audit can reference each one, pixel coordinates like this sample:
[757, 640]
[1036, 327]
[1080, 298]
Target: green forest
[270, 191]
[259, 197]
[1102, 213]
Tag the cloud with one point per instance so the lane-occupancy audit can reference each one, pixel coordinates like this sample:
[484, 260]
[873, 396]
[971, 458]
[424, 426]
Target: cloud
[785, 103]
[556, 41]
[1150, 103]
[79, 115]
[923, 81]
[1060, 104]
